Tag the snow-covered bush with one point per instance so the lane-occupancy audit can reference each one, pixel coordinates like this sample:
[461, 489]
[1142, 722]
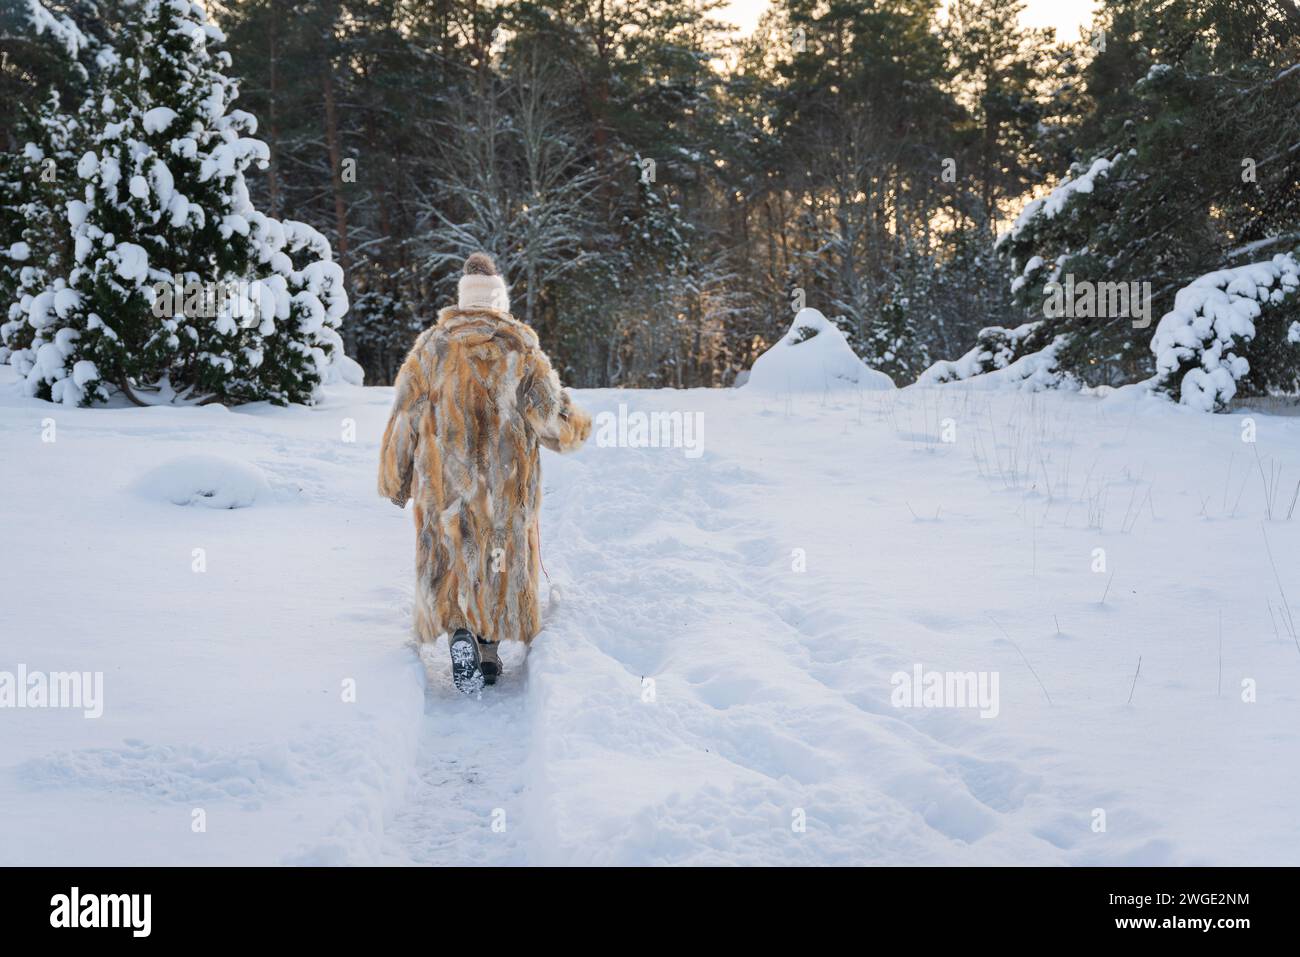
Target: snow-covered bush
[1202, 344]
[164, 201]
[1006, 357]
[813, 356]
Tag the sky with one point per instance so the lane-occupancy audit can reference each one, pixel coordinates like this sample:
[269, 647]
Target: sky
[1066, 15]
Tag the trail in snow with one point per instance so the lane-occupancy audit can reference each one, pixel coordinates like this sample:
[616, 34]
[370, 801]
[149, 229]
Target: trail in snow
[467, 802]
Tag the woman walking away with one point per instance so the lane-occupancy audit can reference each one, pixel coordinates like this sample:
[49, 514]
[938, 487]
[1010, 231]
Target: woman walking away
[474, 399]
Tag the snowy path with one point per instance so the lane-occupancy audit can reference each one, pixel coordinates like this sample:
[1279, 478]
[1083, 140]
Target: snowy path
[695, 697]
[468, 773]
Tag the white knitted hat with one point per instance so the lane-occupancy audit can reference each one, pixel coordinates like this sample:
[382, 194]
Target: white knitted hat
[481, 287]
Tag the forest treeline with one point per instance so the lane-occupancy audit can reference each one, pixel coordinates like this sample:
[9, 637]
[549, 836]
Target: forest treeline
[660, 191]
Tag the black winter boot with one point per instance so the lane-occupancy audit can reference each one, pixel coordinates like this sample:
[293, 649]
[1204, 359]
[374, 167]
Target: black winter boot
[489, 661]
[466, 665]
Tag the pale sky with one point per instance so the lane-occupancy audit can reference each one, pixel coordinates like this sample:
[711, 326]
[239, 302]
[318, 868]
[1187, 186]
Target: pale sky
[1066, 15]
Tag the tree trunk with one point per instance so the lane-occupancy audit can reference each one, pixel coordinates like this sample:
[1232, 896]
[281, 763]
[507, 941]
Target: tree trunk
[273, 126]
[336, 182]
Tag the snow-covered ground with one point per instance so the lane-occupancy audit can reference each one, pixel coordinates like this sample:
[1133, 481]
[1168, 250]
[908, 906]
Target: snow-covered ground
[695, 697]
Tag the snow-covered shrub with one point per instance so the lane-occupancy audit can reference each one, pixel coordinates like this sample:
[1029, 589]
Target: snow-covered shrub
[813, 356]
[164, 201]
[1202, 344]
[1014, 357]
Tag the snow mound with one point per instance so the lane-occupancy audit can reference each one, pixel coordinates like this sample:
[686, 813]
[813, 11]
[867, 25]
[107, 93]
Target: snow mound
[813, 356]
[207, 480]
[344, 370]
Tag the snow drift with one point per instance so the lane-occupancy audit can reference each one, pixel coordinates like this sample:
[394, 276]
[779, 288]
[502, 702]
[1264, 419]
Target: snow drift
[207, 480]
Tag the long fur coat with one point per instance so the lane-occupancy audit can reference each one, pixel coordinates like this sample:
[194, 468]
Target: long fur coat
[473, 400]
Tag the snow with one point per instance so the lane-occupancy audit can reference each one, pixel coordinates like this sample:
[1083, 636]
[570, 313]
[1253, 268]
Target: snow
[692, 695]
[164, 185]
[185, 147]
[345, 371]
[39, 308]
[132, 261]
[227, 159]
[65, 301]
[110, 173]
[157, 119]
[49, 359]
[813, 356]
[1033, 372]
[208, 480]
[61, 28]
[88, 165]
[84, 371]
[77, 211]
[1035, 263]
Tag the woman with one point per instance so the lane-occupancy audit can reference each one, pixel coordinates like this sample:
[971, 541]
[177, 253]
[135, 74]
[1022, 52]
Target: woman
[474, 399]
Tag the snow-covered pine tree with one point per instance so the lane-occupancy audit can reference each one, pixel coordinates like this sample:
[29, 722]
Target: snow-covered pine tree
[41, 67]
[42, 50]
[1187, 171]
[34, 243]
[166, 207]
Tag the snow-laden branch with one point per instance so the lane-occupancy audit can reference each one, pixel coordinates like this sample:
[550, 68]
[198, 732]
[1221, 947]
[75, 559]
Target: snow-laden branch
[996, 362]
[61, 28]
[1212, 319]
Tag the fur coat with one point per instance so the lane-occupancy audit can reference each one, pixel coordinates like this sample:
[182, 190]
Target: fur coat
[474, 399]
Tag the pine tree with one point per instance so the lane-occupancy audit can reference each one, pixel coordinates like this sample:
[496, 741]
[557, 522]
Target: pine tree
[1187, 166]
[34, 242]
[999, 68]
[46, 46]
[179, 286]
[45, 61]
